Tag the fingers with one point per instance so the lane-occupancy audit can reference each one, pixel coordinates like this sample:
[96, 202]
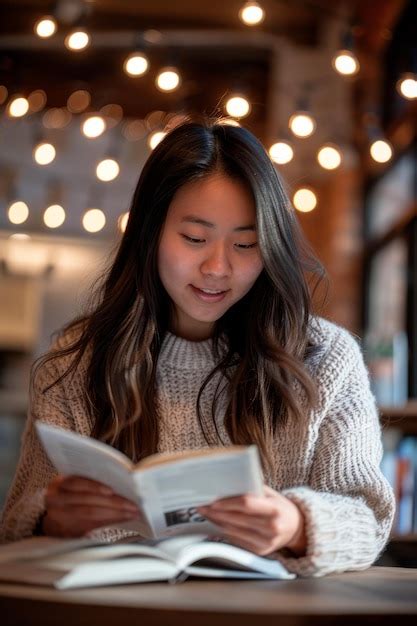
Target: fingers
[258, 523]
[74, 490]
[249, 504]
[76, 505]
[71, 499]
[262, 526]
[81, 485]
[58, 523]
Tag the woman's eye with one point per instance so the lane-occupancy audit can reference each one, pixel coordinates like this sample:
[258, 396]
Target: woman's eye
[192, 239]
[246, 246]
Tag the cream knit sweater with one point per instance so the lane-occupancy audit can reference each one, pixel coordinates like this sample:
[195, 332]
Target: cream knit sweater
[329, 465]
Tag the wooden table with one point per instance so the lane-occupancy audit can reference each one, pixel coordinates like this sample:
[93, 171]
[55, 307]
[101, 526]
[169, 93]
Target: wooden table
[378, 595]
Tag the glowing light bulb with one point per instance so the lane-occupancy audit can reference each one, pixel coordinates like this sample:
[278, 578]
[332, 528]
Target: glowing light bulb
[107, 170]
[407, 86]
[155, 138]
[252, 13]
[18, 107]
[329, 157]
[136, 64]
[122, 221]
[78, 40]
[281, 152]
[44, 153]
[305, 200]
[302, 124]
[346, 63]
[18, 212]
[94, 126]
[238, 106]
[168, 79]
[94, 220]
[381, 151]
[54, 216]
[45, 27]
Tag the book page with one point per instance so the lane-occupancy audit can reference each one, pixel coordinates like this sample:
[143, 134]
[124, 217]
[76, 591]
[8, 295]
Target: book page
[172, 492]
[73, 454]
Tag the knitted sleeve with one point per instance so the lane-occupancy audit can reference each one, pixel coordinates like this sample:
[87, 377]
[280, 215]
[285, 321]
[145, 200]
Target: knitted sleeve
[347, 503]
[25, 500]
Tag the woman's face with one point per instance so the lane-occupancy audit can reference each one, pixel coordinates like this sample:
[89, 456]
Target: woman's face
[208, 256]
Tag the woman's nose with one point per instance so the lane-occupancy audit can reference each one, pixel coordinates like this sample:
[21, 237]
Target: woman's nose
[217, 262]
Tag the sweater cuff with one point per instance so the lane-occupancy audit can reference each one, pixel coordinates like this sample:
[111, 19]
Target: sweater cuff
[337, 534]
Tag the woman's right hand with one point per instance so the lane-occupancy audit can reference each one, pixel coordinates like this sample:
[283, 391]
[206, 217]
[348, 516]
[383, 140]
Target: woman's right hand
[76, 505]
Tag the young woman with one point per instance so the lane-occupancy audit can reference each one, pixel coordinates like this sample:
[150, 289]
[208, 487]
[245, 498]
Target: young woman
[203, 334]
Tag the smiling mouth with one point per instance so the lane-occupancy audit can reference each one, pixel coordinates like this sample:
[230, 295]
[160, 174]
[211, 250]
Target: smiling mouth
[214, 292]
[209, 295]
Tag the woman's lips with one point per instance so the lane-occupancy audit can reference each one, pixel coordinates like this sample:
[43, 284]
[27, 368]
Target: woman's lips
[208, 297]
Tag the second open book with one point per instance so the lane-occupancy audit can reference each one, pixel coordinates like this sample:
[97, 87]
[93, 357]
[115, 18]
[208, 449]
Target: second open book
[66, 564]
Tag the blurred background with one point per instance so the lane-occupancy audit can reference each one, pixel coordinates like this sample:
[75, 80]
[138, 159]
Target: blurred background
[88, 88]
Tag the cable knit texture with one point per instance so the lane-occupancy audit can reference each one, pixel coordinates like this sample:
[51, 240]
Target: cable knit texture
[328, 465]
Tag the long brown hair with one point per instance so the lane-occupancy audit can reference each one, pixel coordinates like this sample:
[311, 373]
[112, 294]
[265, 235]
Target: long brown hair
[266, 331]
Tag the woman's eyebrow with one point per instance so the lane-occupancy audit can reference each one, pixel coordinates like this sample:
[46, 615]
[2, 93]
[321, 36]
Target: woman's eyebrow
[194, 219]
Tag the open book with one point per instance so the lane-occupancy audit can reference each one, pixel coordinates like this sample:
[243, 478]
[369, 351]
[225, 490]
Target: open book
[168, 488]
[65, 564]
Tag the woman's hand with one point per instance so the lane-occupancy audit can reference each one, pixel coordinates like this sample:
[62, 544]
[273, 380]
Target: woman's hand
[261, 524]
[75, 505]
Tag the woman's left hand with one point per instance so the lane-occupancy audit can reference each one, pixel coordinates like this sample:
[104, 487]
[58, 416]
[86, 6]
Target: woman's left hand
[261, 524]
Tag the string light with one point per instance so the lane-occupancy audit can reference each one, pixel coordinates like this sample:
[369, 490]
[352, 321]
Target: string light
[107, 170]
[54, 216]
[56, 118]
[329, 157]
[252, 13]
[45, 27]
[37, 100]
[238, 106]
[281, 152]
[136, 64]
[134, 130]
[18, 106]
[122, 221]
[305, 200]
[77, 40]
[155, 138]
[93, 126]
[113, 114]
[168, 79]
[302, 124]
[407, 86]
[94, 220]
[44, 153]
[78, 101]
[346, 63]
[381, 151]
[18, 212]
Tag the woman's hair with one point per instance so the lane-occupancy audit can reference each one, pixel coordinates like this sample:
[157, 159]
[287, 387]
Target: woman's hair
[266, 331]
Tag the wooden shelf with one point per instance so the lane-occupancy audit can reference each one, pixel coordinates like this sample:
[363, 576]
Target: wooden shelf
[403, 418]
[409, 538]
